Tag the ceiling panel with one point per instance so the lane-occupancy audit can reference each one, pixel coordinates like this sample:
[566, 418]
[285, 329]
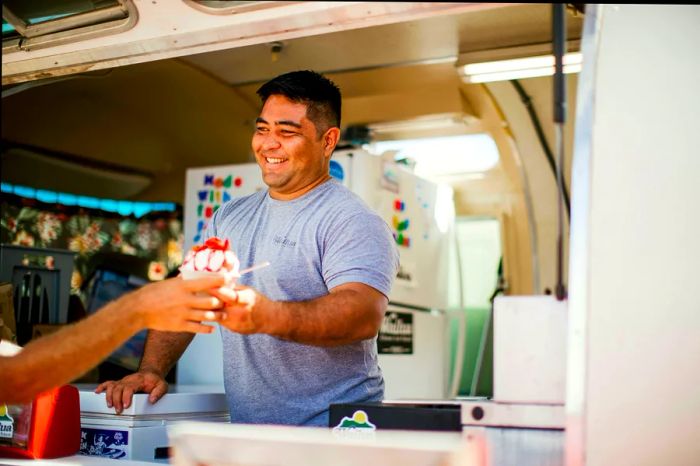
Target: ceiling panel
[511, 26]
[347, 50]
[438, 39]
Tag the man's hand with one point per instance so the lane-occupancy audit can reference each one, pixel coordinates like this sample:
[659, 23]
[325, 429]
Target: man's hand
[174, 305]
[242, 307]
[119, 393]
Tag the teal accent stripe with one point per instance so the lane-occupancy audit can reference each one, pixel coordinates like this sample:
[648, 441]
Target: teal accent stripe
[138, 209]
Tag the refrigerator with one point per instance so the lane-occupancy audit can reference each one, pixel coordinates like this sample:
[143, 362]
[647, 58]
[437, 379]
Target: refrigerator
[414, 340]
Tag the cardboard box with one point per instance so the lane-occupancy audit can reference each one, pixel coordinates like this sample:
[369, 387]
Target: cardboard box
[42, 330]
[529, 352]
[8, 327]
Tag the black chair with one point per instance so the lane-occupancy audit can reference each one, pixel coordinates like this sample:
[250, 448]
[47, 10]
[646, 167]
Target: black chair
[41, 285]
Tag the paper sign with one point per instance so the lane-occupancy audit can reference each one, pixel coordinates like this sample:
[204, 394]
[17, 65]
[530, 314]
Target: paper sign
[396, 334]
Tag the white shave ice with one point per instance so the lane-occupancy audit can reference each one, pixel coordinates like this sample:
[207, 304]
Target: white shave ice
[203, 260]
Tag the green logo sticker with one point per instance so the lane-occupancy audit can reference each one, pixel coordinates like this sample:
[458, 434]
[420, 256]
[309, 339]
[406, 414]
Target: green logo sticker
[7, 424]
[358, 422]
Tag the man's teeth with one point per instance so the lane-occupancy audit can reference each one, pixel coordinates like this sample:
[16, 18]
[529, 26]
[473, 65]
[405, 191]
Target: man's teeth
[272, 160]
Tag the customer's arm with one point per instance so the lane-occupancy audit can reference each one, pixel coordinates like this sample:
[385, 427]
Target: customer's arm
[56, 359]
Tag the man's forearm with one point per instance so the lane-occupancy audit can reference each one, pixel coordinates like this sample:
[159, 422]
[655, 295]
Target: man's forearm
[162, 350]
[65, 355]
[339, 318]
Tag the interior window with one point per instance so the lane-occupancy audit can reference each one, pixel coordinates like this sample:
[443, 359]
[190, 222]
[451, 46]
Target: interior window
[224, 7]
[479, 242]
[479, 252]
[31, 24]
[443, 156]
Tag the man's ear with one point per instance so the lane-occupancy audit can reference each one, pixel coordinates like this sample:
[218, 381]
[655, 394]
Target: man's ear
[330, 140]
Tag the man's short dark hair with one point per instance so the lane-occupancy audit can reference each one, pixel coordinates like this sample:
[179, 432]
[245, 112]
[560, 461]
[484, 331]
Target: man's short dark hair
[319, 93]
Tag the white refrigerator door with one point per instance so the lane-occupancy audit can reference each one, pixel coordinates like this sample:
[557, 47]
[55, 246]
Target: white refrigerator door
[205, 190]
[414, 354]
[420, 214]
[413, 345]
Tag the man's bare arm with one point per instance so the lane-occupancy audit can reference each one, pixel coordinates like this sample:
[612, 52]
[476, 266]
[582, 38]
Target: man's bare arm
[162, 350]
[58, 358]
[349, 313]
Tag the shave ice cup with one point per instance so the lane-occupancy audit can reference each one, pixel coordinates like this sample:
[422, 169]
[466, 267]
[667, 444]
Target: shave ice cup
[213, 258]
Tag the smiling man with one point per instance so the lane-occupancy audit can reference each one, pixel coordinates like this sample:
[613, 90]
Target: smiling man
[292, 151]
[301, 334]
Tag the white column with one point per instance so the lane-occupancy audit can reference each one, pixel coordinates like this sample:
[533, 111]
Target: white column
[633, 394]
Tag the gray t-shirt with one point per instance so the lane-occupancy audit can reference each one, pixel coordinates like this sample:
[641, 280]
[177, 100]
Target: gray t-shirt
[321, 240]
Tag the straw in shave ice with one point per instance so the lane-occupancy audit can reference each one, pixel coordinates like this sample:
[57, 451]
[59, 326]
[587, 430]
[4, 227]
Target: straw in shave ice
[255, 267]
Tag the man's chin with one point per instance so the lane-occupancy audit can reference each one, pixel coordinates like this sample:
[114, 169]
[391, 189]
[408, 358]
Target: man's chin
[272, 181]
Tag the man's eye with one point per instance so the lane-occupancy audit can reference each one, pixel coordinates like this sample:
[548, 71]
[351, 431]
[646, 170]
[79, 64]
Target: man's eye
[260, 129]
[287, 132]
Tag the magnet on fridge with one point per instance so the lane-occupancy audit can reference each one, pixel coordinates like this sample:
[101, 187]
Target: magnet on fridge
[336, 170]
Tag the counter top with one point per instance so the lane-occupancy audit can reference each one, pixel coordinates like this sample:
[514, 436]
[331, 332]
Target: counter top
[179, 399]
[75, 460]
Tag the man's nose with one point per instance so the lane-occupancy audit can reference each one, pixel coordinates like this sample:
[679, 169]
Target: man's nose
[270, 142]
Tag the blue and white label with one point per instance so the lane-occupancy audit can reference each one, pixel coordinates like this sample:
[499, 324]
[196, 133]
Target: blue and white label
[104, 443]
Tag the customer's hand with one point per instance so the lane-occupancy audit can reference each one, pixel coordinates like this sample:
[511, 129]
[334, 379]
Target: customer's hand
[118, 394]
[174, 305]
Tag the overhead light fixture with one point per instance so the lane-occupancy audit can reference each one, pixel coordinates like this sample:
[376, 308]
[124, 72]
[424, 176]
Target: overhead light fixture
[518, 68]
[443, 156]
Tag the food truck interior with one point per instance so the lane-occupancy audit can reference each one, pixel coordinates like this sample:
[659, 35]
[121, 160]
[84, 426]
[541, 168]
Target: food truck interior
[557, 240]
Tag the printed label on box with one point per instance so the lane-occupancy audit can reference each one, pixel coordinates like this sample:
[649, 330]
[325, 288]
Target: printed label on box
[358, 422]
[104, 443]
[7, 423]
